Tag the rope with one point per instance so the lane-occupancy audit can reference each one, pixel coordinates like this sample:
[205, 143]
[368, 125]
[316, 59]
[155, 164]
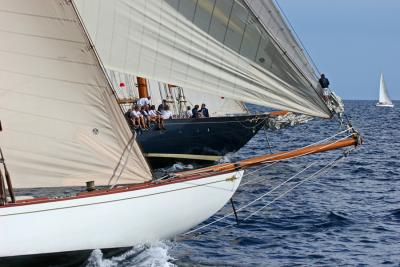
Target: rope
[302, 46]
[251, 202]
[267, 139]
[316, 174]
[257, 170]
[127, 148]
[274, 162]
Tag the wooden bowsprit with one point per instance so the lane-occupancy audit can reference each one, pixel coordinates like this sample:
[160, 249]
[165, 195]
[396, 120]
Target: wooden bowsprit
[354, 140]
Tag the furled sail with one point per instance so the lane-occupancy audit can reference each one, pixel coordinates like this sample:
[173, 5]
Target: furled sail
[218, 47]
[383, 93]
[61, 123]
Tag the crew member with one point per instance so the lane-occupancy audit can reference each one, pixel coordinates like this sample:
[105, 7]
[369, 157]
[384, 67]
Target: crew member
[324, 82]
[204, 111]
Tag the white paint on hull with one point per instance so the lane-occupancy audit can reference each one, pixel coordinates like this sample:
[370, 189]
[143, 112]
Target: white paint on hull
[115, 220]
[385, 105]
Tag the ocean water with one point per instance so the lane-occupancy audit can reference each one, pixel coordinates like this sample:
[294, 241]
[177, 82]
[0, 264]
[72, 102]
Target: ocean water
[350, 216]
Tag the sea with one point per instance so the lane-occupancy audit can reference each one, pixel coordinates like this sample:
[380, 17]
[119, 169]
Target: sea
[347, 216]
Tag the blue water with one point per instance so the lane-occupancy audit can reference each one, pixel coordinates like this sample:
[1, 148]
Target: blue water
[348, 216]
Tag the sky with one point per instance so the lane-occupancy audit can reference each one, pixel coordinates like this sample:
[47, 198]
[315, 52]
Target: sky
[352, 42]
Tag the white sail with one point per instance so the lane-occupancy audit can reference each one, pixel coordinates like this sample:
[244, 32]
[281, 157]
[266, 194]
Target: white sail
[217, 47]
[217, 105]
[61, 123]
[272, 20]
[383, 93]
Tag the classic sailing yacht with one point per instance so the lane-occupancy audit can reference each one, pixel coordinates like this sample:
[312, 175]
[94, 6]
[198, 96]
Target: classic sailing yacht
[384, 99]
[235, 49]
[62, 127]
[189, 140]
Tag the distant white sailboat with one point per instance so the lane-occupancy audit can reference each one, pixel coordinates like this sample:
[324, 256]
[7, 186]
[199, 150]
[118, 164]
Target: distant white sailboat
[384, 100]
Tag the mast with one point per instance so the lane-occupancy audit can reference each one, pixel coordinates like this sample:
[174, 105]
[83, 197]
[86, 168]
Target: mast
[142, 87]
[239, 67]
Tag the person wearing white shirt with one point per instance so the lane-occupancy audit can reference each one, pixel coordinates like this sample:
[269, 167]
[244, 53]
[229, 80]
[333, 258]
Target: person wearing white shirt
[138, 119]
[155, 117]
[144, 101]
[189, 112]
[166, 114]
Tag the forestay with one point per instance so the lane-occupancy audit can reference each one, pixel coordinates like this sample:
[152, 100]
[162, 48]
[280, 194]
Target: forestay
[218, 47]
[272, 20]
[61, 123]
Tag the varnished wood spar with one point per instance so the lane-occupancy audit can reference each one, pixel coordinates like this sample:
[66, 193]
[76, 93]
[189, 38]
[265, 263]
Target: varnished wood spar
[278, 113]
[142, 87]
[122, 101]
[352, 141]
[170, 86]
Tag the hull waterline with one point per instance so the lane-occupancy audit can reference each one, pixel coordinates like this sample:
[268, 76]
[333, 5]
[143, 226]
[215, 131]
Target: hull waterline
[113, 220]
[384, 105]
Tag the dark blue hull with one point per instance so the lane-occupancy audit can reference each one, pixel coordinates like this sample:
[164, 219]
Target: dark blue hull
[198, 140]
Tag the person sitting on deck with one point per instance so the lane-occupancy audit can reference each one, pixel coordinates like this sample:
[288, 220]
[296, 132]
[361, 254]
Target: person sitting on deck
[137, 118]
[324, 82]
[162, 106]
[189, 112]
[166, 114]
[204, 111]
[144, 110]
[127, 116]
[195, 112]
[155, 117]
[144, 101]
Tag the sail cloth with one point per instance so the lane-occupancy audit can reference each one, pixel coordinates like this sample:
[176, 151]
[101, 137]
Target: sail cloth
[217, 47]
[61, 123]
[217, 105]
[268, 14]
[383, 93]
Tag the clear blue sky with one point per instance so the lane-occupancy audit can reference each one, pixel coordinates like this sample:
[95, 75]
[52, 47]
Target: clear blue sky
[351, 41]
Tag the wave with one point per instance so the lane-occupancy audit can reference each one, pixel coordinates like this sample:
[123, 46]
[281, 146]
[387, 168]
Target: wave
[154, 255]
[334, 220]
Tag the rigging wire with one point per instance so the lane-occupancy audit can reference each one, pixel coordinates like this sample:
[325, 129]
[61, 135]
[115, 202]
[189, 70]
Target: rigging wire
[269, 192]
[314, 175]
[302, 46]
[267, 139]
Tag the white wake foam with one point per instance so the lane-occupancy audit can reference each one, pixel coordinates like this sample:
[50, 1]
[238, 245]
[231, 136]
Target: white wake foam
[154, 255]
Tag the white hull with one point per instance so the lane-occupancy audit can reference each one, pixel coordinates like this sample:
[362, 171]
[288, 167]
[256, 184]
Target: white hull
[384, 105]
[113, 220]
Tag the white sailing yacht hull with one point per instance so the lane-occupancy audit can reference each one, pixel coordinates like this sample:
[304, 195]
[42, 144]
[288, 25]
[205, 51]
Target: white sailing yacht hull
[114, 220]
[384, 105]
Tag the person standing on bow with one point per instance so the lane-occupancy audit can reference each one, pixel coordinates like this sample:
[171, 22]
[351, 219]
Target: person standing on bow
[324, 82]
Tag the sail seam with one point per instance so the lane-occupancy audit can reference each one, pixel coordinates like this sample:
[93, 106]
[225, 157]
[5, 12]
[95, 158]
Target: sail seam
[42, 36]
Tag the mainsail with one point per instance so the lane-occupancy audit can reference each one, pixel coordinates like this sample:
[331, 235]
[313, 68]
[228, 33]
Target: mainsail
[218, 47]
[61, 123]
[383, 93]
